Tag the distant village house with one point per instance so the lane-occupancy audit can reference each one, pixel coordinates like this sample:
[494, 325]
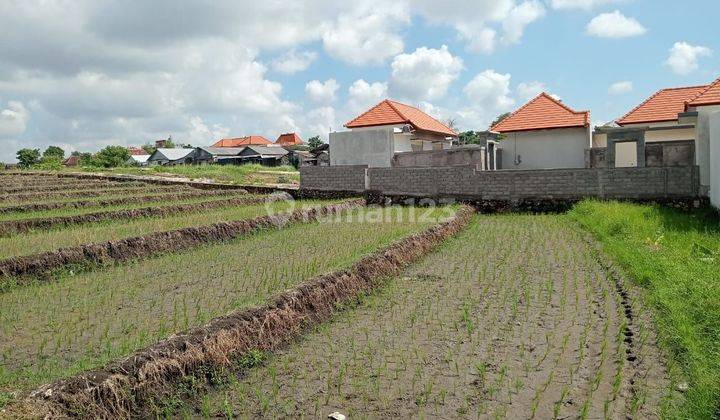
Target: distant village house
[387, 128]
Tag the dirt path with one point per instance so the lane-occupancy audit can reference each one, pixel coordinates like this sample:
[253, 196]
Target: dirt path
[514, 318]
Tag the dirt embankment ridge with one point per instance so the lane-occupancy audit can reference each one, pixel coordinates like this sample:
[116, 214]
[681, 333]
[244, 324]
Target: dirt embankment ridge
[20, 226]
[61, 185]
[41, 265]
[95, 192]
[158, 195]
[129, 387]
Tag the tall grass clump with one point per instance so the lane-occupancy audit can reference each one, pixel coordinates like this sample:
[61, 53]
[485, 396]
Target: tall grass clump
[675, 257]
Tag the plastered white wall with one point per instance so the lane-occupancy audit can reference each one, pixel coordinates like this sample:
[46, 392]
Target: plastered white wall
[545, 149]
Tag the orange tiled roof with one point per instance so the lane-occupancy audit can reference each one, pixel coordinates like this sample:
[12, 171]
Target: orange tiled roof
[664, 105]
[390, 112]
[136, 151]
[708, 96]
[242, 141]
[289, 139]
[541, 113]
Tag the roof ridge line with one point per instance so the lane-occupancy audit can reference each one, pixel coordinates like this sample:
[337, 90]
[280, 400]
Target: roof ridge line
[685, 87]
[710, 86]
[391, 103]
[370, 109]
[562, 104]
[517, 110]
[627, 114]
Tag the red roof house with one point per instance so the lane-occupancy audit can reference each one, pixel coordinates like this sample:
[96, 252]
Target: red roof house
[289, 139]
[242, 141]
[390, 112]
[136, 151]
[663, 106]
[708, 96]
[542, 113]
[71, 161]
[544, 134]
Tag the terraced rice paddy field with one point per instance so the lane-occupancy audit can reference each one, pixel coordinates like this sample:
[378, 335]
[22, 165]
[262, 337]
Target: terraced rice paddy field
[165, 300]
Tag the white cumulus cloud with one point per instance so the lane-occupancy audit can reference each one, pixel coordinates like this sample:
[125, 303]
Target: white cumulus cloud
[320, 122]
[619, 88]
[683, 58]
[579, 4]
[529, 90]
[321, 92]
[198, 132]
[424, 74]
[367, 35]
[294, 61]
[362, 95]
[488, 95]
[519, 17]
[491, 90]
[614, 25]
[13, 120]
[482, 24]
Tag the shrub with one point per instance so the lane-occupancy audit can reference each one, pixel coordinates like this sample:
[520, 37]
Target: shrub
[111, 157]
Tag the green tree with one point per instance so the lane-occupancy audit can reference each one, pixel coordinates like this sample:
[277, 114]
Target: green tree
[112, 156]
[54, 152]
[469, 137]
[28, 157]
[86, 159]
[314, 142]
[148, 148]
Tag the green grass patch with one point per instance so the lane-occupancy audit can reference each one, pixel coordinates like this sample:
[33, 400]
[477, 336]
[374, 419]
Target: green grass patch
[675, 258]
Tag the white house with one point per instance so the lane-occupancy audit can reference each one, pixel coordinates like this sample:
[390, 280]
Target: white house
[677, 115]
[544, 134]
[385, 129]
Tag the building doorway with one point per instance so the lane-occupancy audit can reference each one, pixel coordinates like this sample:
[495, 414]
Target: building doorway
[626, 154]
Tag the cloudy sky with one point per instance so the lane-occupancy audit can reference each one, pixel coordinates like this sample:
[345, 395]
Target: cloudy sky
[85, 74]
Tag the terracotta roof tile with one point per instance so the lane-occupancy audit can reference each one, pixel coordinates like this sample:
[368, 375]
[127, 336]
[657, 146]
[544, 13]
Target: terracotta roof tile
[390, 112]
[709, 96]
[543, 112]
[664, 105]
[242, 141]
[289, 139]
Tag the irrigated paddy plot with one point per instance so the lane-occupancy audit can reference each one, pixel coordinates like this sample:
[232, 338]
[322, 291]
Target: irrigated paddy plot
[124, 203]
[40, 241]
[102, 314]
[513, 318]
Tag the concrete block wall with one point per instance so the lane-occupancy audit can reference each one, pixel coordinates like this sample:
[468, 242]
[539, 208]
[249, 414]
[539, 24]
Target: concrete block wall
[333, 178]
[458, 156]
[467, 182]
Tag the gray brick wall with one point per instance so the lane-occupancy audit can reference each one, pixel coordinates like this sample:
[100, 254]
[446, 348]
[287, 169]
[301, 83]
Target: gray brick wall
[465, 181]
[333, 178]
